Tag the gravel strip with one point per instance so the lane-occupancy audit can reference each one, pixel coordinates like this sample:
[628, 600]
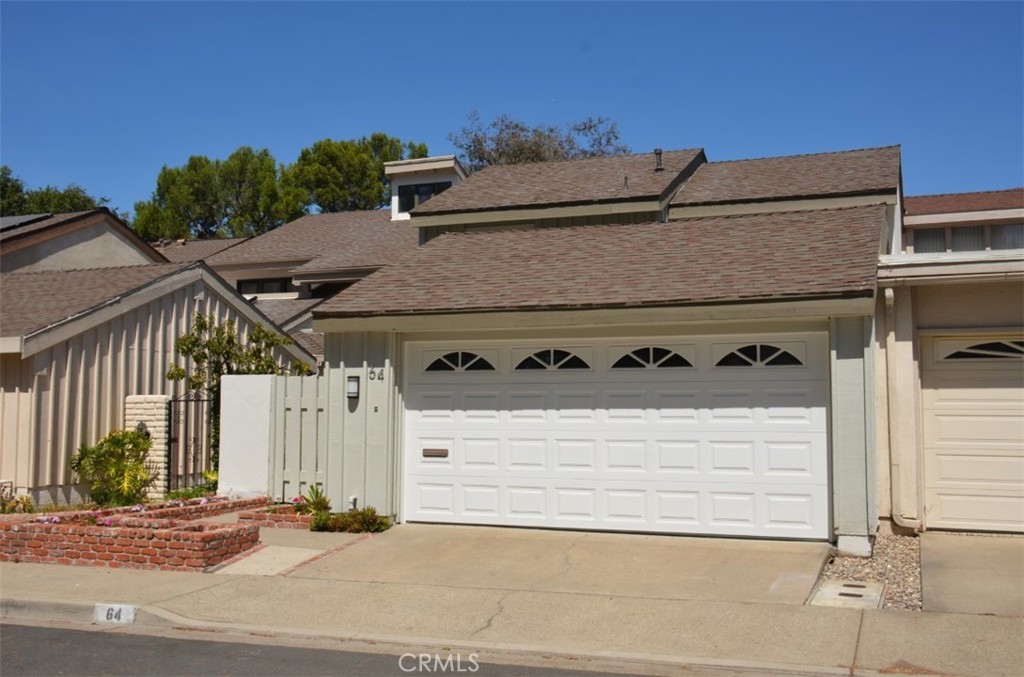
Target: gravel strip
[896, 562]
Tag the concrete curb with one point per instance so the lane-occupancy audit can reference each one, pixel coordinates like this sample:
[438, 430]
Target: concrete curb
[149, 616]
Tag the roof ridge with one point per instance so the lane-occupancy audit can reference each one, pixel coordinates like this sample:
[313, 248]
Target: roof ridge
[162, 264]
[968, 192]
[610, 226]
[697, 149]
[803, 155]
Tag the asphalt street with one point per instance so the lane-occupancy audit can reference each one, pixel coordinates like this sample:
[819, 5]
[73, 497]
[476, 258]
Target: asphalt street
[27, 651]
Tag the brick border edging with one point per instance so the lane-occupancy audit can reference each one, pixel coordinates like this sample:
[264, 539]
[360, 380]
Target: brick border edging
[275, 520]
[151, 539]
[130, 544]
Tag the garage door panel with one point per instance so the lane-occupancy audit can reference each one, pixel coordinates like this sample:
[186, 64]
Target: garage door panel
[973, 436]
[658, 450]
[979, 472]
[790, 512]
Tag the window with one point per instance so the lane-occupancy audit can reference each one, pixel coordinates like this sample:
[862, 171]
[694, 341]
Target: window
[992, 350]
[1008, 236]
[759, 355]
[968, 238]
[551, 359]
[651, 358]
[418, 193]
[460, 361]
[277, 285]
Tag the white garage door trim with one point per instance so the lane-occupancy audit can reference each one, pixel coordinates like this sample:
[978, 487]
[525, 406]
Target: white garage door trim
[724, 435]
[972, 402]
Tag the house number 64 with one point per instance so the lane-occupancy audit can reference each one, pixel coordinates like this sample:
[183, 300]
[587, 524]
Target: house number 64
[376, 374]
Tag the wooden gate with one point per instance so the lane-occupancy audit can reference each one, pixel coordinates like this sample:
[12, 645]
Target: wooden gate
[299, 437]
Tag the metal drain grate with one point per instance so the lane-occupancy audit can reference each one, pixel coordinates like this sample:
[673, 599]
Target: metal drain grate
[852, 594]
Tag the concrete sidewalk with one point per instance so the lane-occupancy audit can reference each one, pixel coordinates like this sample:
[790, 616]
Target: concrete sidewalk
[352, 591]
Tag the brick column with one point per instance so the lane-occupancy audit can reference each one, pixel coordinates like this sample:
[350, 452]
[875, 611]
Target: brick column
[151, 410]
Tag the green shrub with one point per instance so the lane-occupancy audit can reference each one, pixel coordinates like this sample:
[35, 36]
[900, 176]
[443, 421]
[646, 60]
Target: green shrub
[9, 504]
[189, 493]
[315, 501]
[354, 521]
[116, 468]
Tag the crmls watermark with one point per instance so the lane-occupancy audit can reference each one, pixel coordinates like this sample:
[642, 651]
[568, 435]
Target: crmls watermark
[427, 662]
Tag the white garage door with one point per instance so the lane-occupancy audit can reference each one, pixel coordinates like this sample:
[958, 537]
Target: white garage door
[973, 413]
[718, 435]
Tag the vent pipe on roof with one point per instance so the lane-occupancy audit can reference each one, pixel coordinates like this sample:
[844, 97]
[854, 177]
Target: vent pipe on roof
[658, 167]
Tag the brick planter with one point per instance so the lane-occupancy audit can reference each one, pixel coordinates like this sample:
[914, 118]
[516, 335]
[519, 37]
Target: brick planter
[276, 517]
[131, 543]
[194, 508]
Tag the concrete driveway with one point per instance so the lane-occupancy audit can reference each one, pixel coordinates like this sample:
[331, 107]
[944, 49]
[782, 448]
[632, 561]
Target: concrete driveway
[622, 565]
[972, 574]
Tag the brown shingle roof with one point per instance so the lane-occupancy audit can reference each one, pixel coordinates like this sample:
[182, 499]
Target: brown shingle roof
[33, 301]
[311, 341]
[950, 203]
[849, 172]
[280, 311]
[196, 250]
[9, 233]
[360, 246]
[751, 257]
[605, 179]
[303, 239]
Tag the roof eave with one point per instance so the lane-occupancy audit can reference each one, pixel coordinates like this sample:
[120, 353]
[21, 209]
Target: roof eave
[854, 303]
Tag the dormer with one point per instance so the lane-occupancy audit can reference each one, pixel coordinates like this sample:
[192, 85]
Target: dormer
[413, 182]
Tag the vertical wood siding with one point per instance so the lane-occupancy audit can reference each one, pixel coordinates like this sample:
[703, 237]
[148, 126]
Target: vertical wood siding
[80, 385]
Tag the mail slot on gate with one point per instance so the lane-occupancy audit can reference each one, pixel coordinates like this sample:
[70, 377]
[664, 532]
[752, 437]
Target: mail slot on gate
[435, 453]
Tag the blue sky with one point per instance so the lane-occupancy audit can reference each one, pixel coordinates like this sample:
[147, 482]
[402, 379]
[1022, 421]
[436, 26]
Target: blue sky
[104, 94]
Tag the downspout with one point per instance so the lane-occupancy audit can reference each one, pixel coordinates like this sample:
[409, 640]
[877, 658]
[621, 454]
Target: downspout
[894, 464]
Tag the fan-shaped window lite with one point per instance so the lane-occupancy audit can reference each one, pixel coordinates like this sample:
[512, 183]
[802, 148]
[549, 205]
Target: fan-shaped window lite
[651, 358]
[759, 355]
[460, 361]
[994, 350]
[552, 359]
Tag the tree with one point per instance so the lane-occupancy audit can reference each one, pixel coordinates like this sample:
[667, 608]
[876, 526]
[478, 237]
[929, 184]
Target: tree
[15, 199]
[347, 175]
[12, 193]
[505, 141]
[241, 196]
[216, 350]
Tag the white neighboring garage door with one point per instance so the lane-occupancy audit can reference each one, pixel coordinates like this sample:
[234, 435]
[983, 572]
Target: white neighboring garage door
[716, 435]
[973, 420]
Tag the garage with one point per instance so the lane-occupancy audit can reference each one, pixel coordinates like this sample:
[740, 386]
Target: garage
[973, 432]
[719, 435]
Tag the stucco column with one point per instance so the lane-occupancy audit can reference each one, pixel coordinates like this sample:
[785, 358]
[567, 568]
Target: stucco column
[852, 435]
[150, 413]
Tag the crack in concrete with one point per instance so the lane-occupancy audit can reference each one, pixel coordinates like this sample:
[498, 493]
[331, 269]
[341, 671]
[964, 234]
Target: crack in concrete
[566, 563]
[500, 610]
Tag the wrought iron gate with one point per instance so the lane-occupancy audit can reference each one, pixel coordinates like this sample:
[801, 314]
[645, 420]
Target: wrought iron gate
[190, 440]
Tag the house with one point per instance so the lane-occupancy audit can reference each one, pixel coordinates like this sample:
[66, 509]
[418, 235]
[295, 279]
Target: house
[89, 315]
[649, 343]
[950, 364]
[76, 240]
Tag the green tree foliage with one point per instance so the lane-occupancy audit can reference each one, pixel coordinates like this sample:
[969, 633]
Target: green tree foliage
[116, 468]
[505, 141]
[15, 199]
[238, 197]
[216, 350]
[12, 193]
[347, 175]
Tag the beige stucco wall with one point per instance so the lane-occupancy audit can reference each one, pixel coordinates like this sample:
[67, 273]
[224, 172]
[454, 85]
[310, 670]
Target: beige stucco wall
[961, 308]
[78, 386]
[94, 246]
[997, 304]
